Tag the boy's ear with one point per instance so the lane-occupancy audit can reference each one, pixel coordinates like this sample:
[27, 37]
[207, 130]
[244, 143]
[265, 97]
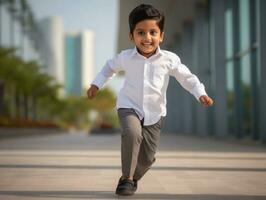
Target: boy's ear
[130, 36]
[162, 36]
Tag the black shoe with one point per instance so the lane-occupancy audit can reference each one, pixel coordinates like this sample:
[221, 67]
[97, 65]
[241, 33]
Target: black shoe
[135, 187]
[125, 187]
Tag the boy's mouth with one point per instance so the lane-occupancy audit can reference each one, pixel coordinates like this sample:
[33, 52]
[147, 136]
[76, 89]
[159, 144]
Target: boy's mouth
[147, 45]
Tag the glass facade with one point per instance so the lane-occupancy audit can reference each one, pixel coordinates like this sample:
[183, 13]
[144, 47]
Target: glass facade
[234, 72]
[229, 53]
[241, 67]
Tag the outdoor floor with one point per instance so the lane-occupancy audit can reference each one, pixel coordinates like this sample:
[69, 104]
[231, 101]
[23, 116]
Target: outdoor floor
[81, 166]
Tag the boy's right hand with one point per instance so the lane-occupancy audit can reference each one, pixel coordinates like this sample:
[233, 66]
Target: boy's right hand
[92, 91]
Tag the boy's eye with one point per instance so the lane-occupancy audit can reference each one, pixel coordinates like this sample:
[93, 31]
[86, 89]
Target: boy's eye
[153, 33]
[141, 33]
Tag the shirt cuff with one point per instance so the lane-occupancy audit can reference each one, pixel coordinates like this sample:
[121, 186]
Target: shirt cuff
[99, 81]
[199, 91]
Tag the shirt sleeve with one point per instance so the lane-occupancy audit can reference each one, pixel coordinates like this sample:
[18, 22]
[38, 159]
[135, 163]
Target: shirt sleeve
[187, 80]
[111, 67]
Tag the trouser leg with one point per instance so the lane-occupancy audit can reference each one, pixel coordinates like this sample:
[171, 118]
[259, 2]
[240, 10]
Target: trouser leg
[130, 140]
[148, 147]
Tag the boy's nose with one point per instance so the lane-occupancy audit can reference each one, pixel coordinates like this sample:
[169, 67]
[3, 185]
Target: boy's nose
[148, 36]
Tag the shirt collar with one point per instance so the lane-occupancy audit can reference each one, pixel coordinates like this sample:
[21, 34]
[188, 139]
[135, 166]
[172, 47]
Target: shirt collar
[135, 52]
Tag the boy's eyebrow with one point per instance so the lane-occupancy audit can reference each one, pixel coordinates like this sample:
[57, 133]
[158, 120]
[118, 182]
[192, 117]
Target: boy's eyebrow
[141, 29]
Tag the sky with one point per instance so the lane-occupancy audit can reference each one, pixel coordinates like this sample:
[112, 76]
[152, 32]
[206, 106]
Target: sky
[100, 16]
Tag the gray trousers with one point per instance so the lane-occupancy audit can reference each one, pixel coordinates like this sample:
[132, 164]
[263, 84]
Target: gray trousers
[138, 143]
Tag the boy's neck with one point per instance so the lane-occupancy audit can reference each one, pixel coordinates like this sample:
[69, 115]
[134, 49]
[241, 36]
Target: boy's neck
[147, 55]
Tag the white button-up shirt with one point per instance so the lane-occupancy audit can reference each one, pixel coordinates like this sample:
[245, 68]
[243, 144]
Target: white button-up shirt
[146, 81]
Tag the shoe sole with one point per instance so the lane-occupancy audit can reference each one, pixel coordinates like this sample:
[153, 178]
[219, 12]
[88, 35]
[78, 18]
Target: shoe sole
[124, 193]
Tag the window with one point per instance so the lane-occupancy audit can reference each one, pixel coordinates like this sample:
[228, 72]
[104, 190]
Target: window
[240, 32]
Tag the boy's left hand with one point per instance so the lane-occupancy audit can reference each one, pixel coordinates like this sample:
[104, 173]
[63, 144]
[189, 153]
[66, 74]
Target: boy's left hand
[205, 100]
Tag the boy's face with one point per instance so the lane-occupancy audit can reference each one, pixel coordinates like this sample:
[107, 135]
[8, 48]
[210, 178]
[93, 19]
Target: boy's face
[147, 36]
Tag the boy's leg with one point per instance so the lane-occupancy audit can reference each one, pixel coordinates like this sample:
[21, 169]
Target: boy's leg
[130, 140]
[148, 147]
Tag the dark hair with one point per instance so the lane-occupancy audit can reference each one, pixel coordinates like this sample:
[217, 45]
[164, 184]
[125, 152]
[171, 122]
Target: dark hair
[143, 12]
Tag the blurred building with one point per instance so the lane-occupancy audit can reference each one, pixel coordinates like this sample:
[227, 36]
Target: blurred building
[223, 43]
[52, 51]
[79, 61]
[69, 58]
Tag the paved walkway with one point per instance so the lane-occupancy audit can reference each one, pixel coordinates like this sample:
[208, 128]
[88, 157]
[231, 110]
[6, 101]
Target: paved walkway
[78, 166]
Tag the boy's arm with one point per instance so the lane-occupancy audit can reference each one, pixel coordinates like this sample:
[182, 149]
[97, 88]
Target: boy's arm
[190, 82]
[108, 71]
[105, 74]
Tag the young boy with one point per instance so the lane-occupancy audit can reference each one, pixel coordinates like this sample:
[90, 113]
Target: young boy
[141, 102]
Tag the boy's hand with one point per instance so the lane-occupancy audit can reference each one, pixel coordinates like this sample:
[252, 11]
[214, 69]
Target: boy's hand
[205, 100]
[92, 91]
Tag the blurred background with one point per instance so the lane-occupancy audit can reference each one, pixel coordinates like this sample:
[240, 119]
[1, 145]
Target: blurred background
[51, 50]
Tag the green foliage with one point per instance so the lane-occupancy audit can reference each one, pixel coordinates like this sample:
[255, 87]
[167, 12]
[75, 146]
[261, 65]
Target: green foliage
[24, 79]
[74, 112]
[105, 100]
[25, 75]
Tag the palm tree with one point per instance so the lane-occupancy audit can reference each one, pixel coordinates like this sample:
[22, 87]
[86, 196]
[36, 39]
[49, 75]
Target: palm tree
[24, 82]
[28, 75]
[44, 93]
[8, 70]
